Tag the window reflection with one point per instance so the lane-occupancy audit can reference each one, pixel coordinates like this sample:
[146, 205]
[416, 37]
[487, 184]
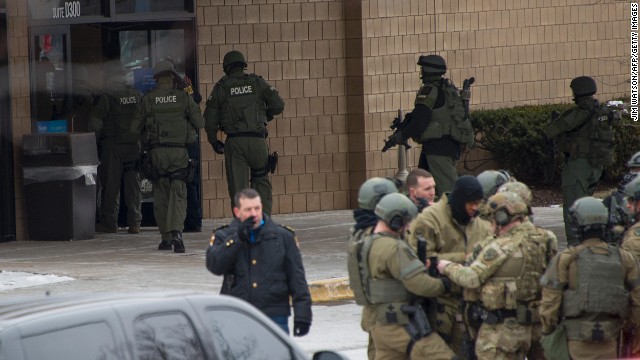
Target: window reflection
[166, 336]
[90, 341]
[50, 77]
[240, 337]
[143, 6]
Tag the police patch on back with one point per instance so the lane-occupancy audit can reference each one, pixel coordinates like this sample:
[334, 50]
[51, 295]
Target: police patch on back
[242, 90]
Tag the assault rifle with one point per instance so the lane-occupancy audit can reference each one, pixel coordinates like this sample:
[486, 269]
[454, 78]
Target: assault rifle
[397, 125]
[550, 153]
[466, 94]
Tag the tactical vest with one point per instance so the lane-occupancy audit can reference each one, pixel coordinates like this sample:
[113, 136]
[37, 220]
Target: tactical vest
[448, 120]
[167, 123]
[123, 105]
[517, 280]
[242, 107]
[368, 291]
[593, 139]
[600, 288]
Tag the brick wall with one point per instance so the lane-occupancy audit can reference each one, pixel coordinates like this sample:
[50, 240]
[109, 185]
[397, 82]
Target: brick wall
[298, 48]
[345, 67]
[18, 41]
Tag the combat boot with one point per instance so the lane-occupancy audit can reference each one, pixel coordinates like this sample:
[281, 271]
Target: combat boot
[176, 241]
[164, 245]
[103, 229]
[135, 229]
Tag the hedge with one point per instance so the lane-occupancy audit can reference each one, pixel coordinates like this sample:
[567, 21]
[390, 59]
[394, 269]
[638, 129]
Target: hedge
[514, 137]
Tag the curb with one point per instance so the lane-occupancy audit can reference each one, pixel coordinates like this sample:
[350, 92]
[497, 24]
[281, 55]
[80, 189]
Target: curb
[335, 289]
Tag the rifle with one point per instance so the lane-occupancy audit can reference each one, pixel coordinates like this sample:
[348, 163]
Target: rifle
[466, 94]
[397, 125]
[550, 153]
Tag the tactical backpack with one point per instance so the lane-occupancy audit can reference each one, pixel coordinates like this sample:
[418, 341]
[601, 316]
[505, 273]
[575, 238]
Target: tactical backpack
[448, 120]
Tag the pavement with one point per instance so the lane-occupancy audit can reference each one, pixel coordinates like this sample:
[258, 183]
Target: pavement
[125, 262]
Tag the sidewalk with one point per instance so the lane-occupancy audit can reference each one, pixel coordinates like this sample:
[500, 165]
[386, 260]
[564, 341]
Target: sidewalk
[124, 262]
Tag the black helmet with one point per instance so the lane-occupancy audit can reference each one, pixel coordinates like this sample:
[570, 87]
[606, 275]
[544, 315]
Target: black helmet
[583, 86]
[233, 57]
[432, 64]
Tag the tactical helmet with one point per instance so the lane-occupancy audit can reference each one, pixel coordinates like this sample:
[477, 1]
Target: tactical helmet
[520, 189]
[491, 180]
[397, 210]
[588, 214]
[432, 64]
[506, 206]
[233, 57]
[162, 66]
[372, 190]
[632, 189]
[634, 162]
[583, 86]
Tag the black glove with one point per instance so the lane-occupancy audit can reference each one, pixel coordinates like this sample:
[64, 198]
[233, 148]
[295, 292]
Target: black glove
[244, 229]
[447, 284]
[300, 328]
[218, 147]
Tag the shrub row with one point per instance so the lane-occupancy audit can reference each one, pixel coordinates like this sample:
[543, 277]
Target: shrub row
[514, 137]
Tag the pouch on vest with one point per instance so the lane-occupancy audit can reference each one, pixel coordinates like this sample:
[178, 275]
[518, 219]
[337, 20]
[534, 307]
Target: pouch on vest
[492, 295]
[555, 345]
[150, 134]
[601, 136]
[594, 332]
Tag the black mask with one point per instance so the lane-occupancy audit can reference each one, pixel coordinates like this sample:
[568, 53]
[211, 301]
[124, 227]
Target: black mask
[466, 189]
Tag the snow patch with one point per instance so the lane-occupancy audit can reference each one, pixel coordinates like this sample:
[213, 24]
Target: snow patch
[14, 280]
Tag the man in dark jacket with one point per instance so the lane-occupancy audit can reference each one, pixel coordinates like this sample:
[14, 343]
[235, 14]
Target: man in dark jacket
[261, 264]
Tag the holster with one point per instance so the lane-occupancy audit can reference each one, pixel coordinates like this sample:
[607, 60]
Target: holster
[418, 326]
[272, 162]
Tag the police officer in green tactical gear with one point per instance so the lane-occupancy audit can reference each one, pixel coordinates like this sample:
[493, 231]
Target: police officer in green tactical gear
[168, 119]
[370, 193]
[631, 238]
[584, 135]
[440, 123]
[240, 105]
[387, 277]
[120, 150]
[590, 291]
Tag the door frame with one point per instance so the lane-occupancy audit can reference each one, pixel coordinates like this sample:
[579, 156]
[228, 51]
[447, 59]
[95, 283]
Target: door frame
[7, 184]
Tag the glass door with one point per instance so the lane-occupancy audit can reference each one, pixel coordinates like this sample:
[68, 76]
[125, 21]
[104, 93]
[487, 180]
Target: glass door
[50, 78]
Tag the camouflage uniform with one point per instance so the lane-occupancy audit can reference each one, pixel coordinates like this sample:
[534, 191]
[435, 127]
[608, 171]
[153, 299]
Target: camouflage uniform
[631, 240]
[389, 258]
[506, 275]
[447, 239]
[563, 278]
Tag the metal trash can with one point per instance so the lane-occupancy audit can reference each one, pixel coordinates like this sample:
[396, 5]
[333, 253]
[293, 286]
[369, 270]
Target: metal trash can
[59, 172]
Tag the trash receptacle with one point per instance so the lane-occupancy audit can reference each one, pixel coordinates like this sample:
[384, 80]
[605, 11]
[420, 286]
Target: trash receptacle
[59, 172]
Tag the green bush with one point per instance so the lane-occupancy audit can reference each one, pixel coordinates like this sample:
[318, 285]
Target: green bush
[514, 137]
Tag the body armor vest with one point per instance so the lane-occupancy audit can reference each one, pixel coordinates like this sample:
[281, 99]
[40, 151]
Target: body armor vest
[123, 105]
[600, 288]
[167, 124]
[593, 139]
[448, 120]
[517, 280]
[242, 107]
[366, 290]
